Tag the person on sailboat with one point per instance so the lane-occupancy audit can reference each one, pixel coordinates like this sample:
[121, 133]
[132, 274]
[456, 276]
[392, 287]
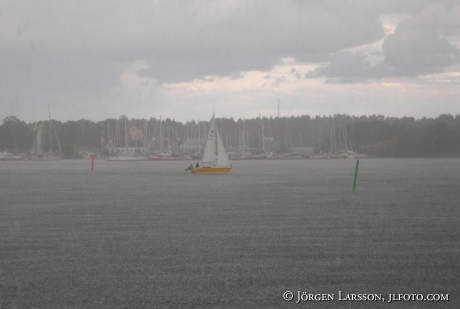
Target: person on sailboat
[197, 165]
[190, 167]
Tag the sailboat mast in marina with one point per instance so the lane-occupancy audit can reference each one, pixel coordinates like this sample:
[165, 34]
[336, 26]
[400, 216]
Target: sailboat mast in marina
[37, 148]
[37, 152]
[215, 159]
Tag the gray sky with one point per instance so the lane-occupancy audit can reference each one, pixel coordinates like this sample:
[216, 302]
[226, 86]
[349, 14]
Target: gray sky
[185, 59]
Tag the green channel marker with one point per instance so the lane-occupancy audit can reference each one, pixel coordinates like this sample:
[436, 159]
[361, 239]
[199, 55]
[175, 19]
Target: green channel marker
[356, 175]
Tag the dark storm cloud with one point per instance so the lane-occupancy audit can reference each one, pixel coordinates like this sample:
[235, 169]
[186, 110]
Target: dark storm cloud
[182, 40]
[238, 75]
[414, 51]
[255, 36]
[417, 47]
[344, 67]
[46, 75]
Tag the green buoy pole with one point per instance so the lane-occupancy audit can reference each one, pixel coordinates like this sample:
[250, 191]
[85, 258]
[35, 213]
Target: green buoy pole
[356, 175]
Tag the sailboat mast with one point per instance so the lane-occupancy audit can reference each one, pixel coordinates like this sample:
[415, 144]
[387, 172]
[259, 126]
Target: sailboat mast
[177, 141]
[162, 133]
[126, 137]
[117, 133]
[199, 137]
[51, 135]
[108, 132]
[263, 136]
[313, 135]
[243, 135]
[168, 130]
[331, 141]
[286, 138]
[215, 140]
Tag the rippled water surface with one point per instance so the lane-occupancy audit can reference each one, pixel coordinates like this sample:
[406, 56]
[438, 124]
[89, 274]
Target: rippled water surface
[149, 235]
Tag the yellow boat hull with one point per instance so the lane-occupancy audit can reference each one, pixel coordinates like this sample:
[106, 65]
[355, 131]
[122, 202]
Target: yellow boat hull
[210, 170]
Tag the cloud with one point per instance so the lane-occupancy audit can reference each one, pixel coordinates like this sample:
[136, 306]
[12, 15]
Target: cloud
[414, 50]
[345, 67]
[238, 75]
[180, 41]
[418, 46]
[251, 36]
[279, 80]
[83, 54]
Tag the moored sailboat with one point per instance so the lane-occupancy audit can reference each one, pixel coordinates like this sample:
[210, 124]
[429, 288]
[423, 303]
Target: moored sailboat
[37, 152]
[131, 154]
[163, 157]
[215, 159]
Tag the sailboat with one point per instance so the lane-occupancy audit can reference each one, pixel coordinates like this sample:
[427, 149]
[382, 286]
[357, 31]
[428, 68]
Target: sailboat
[132, 154]
[215, 159]
[37, 148]
[37, 152]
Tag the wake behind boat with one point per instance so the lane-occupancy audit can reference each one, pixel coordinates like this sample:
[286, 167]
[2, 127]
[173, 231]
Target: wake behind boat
[215, 158]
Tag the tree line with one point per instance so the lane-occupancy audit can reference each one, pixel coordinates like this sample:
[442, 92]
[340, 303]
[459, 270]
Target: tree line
[375, 135]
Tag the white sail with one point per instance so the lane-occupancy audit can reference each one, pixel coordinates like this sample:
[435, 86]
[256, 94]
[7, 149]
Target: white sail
[209, 156]
[222, 157]
[37, 148]
[215, 160]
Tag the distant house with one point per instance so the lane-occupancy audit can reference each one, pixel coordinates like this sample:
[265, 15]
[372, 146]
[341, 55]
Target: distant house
[135, 134]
